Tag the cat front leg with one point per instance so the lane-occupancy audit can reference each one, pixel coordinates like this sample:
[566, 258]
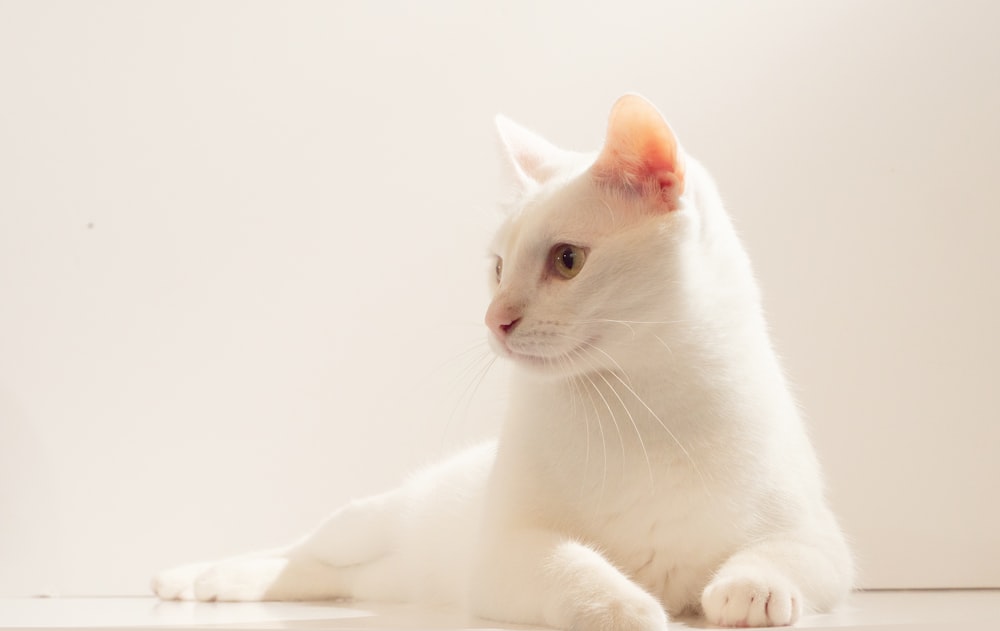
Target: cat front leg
[325, 564]
[538, 577]
[772, 583]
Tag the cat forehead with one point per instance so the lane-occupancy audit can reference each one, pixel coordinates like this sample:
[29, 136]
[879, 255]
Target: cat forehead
[573, 212]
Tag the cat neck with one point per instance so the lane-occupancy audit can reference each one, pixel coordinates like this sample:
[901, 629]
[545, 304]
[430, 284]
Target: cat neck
[690, 379]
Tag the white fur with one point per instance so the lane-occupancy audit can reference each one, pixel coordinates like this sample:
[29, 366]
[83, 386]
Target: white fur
[652, 457]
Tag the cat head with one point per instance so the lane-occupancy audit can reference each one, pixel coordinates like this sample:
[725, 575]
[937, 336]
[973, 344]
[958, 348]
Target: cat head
[586, 259]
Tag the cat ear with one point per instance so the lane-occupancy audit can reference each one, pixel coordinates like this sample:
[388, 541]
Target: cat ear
[528, 154]
[641, 154]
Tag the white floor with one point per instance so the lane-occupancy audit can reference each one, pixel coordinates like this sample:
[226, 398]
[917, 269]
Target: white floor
[870, 611]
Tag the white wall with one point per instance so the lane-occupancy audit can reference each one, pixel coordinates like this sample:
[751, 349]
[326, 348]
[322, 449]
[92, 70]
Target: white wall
[241, 254]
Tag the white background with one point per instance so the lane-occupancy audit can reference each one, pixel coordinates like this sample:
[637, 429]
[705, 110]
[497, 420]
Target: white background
[242, 254]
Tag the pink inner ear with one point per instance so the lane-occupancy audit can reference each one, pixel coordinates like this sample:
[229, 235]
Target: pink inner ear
[641, 153]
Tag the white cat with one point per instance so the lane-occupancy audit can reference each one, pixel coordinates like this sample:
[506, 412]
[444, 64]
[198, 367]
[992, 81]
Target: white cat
[652, 457]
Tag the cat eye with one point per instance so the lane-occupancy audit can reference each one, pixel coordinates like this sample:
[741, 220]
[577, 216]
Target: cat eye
[499, 268]
[568, 259]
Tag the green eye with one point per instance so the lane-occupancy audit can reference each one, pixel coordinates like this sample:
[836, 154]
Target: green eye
[568, 259]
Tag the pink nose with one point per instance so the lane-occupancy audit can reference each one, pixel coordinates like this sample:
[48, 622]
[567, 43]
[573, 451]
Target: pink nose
[502, 318]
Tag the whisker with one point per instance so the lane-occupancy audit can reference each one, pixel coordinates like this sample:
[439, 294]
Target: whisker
[566, 362]
[585, 343]
[664, 344]
[481, 377]
[635, 426]
[473, 375]
[600, 429]
[480, 345]
[618, 429]
[586, 347]
[473, 366]
[586, 417]
[670, 433]
[616, 321]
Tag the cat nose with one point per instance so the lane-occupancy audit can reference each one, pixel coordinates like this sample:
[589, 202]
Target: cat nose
[501, 319]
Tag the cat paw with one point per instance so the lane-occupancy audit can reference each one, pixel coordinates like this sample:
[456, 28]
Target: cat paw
[230, 581]
[637, 613]
[239, 581]
[178, 583]
[739, 601]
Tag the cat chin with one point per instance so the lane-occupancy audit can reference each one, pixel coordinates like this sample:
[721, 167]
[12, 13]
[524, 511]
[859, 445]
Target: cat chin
[544, 369]
[543, 365]
[556, 367]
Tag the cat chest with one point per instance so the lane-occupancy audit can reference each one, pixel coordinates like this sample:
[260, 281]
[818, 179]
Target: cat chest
[669, 539]
[672, 554]
[665, 515]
